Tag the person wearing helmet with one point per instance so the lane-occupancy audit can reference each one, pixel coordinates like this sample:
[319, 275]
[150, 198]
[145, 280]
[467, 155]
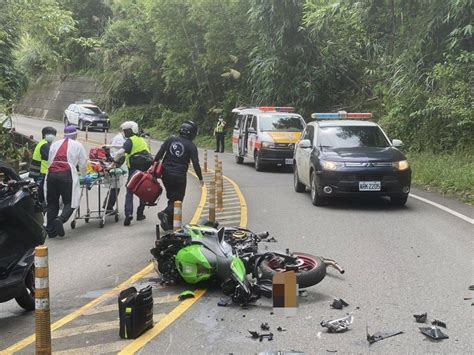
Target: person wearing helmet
[138, 158]
[219, 133]
[62, 180]
[39, 162]
[176, 152]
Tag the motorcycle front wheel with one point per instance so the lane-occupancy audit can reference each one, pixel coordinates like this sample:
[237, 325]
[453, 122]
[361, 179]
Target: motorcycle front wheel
[311, 269]
[27, 299]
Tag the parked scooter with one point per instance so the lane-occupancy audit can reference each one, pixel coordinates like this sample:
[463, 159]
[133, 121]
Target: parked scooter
[231, 257]
[21, 230]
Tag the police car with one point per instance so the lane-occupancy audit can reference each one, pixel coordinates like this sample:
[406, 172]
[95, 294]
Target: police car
[342, 155]
[266, 135]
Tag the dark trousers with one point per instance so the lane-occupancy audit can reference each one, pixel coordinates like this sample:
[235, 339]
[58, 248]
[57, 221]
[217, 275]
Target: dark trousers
[175, 190]
[113, 194]
[59, 185]
[129, 199]
[220, 142]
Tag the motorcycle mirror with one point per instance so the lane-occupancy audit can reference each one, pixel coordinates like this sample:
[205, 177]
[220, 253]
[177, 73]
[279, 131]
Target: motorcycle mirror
[220, 234]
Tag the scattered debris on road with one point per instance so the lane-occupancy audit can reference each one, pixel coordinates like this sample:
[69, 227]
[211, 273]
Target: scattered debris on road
[270, 240]
[338, 325]
[280, 329]
[224, 302]
[186, 294]
[471, 288]
[303, 293]
[439, 323]
[261, 336]
[377, 336]
[339, 303]
[421, 318]
[434, 333]
[264, 326]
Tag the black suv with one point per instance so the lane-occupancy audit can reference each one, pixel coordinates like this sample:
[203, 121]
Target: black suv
[339, 157]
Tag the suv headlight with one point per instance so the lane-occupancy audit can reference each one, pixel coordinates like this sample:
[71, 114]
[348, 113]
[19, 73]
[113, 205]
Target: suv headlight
[401, 165]
[331, 165]
[268, 145]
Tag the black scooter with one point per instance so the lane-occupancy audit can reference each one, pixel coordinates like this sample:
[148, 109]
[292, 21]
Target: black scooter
[21, 230]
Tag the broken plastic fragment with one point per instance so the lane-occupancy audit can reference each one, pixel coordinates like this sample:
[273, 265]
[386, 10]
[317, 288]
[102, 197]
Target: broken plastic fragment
[421, 318]
[264, 326]
[303, 293]
[380, 335]
[280, 329]
[338, 325]
[186, 294]
[254, 334]
[270, 240]
[434, 333]
[339, 303]
[471, 288]
[439, 323]
[223, 302]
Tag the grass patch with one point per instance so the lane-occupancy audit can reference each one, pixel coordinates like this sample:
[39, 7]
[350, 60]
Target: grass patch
[450, 174]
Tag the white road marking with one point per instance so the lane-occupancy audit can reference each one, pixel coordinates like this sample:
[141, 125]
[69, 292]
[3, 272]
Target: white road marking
[446, 209]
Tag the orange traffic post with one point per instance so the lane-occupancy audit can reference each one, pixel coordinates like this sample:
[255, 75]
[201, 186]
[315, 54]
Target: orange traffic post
[221, 185]
[205, 161]
[219, 189]
[216, 161]
[42, 310]
[212, 200]
[178, 215]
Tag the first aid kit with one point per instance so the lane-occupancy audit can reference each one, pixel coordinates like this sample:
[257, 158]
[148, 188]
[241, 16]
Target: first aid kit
[146, 187]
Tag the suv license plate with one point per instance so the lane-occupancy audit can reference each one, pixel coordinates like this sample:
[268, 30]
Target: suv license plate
[289, 161]
[100, 125]
[370, 186]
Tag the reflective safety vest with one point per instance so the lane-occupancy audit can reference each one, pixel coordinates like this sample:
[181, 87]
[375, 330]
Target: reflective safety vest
[220, 127]
[139, 145]
[38, 166]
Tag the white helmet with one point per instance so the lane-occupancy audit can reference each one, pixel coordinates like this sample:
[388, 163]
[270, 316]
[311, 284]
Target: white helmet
[129, 125]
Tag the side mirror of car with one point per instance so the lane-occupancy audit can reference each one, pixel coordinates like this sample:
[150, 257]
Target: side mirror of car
[304, 144]
[397, 143]
[252, 130]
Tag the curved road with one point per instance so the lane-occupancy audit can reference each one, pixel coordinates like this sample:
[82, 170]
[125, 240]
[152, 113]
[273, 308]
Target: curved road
[398, 261]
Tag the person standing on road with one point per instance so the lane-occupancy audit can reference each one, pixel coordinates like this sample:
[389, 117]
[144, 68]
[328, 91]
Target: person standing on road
[138, 158]
[39, 162]
[62, 180]
[117, 143]
[176, 152]
[219, 133]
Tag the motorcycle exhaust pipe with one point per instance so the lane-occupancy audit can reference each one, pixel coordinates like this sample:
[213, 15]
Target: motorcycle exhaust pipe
[334, 264]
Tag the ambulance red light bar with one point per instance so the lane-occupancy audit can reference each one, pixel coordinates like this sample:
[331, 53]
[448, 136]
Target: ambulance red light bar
[342, 115]
[276, 109]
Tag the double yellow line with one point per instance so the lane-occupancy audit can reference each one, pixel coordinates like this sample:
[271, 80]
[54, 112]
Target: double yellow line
[140, 342]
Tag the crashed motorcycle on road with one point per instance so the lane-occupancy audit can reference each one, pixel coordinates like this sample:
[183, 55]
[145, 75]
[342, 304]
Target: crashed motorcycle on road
[230, 256]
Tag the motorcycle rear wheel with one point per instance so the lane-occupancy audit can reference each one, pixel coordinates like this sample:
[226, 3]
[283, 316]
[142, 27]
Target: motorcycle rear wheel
[311, 272]
[27, 299]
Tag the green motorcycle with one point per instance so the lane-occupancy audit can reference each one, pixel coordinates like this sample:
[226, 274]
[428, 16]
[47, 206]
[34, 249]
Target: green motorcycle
[230, 256]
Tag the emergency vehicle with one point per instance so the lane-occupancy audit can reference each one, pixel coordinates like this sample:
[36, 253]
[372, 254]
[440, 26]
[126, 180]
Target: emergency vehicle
[266, 135]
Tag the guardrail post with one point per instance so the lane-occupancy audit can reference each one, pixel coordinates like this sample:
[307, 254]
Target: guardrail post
[212, 200]
[87, 133]
[178, 215]
[105, 136]
[205, 161]
[42, 310]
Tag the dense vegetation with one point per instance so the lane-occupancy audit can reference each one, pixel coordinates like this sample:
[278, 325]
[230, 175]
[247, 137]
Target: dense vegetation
[162, 61]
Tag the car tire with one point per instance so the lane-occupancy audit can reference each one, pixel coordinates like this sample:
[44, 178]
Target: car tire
[27, 299]
[258, 162]
[81, 125]
[316, 198]
[239, 160]
[398, 201]
[299, 187]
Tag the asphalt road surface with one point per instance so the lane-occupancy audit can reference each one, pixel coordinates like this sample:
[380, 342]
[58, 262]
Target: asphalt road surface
[398, 261]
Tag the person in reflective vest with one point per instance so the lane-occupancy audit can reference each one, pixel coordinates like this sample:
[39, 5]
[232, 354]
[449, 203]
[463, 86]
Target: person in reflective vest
[39, 162]
[138, 158]
[219, 133]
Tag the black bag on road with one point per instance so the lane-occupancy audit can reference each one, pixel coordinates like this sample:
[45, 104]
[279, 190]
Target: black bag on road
[135, 312]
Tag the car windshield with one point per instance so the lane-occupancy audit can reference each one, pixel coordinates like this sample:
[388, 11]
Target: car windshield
[281, 123]
[352, 137]
[90, 110]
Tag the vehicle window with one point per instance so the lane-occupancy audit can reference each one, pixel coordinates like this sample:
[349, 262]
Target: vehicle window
[238, 119]
[70, 107]
[352, 137]
[90, 110]
[309, 133]
[270, 123]
[75, 108]
[248, 122]
[254, 122]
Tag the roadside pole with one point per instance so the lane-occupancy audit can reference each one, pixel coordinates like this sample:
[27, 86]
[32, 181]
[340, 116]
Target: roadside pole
[42, 310]
[178, 215]
[220, 196]
[87, 133]
[205, 161]
[105, 136]
[212, 200]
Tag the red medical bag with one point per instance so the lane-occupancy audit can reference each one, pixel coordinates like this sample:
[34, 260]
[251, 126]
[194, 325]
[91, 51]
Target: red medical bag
[145, 187]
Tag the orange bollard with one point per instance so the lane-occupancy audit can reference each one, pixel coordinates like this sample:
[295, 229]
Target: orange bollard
[178, 215]
[42, 310]
[205, 161]
[212, 200]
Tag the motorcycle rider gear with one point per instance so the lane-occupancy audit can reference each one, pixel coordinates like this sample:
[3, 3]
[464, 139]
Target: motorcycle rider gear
[129, 128]
[188, 129]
